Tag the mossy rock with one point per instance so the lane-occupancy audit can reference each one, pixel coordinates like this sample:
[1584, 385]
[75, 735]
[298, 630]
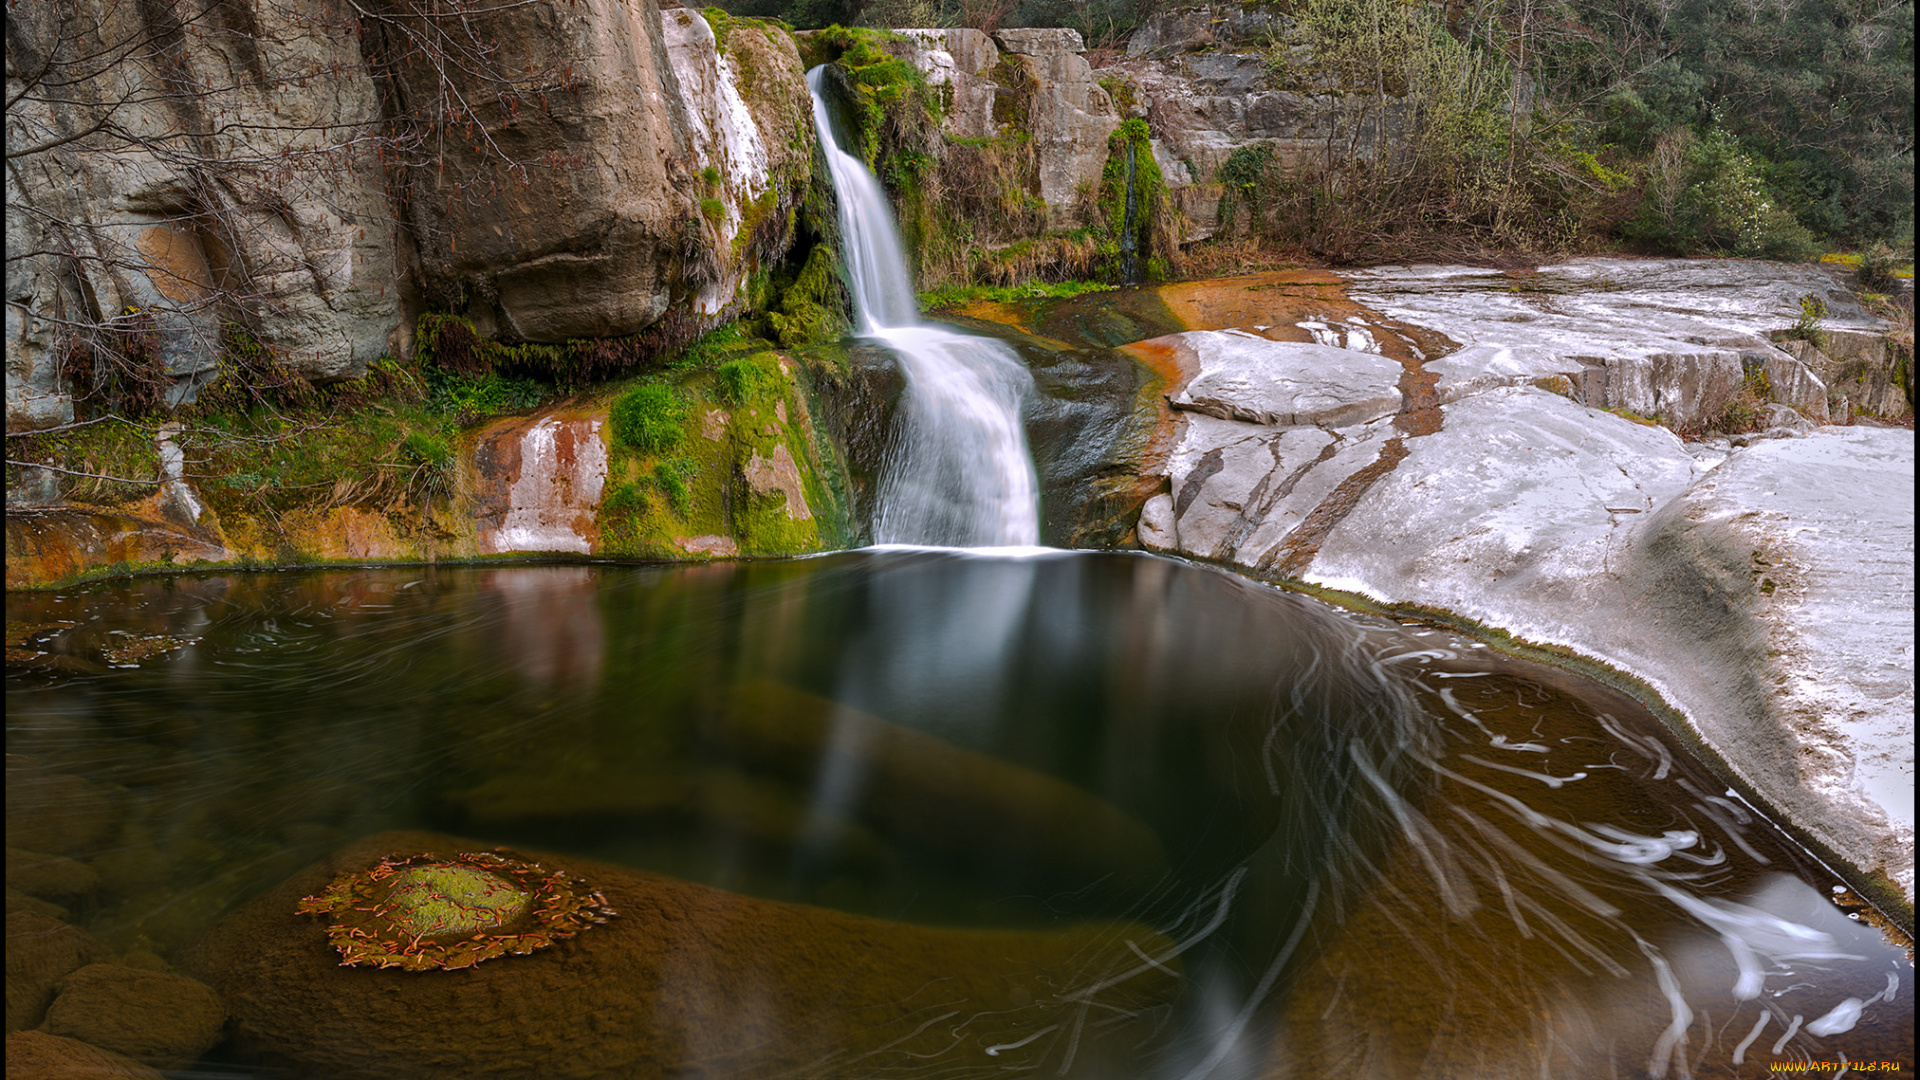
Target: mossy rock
[687, 978]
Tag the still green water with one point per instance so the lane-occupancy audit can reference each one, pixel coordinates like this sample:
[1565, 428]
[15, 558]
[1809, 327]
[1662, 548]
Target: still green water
[1376, 848]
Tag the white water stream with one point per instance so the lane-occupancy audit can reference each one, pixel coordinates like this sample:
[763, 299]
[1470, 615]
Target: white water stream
[958, 472]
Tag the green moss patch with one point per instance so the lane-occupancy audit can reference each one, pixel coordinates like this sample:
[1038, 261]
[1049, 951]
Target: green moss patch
[1138, 239]
[745, 439]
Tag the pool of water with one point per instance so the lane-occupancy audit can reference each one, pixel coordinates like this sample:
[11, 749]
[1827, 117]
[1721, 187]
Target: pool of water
[1186, 825]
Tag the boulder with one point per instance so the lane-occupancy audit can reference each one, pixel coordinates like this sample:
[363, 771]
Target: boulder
[40, 952]
[50, 877]
[155, 1018]
[684, 978]
[59, 813]
[684, 156]
[36, 1055]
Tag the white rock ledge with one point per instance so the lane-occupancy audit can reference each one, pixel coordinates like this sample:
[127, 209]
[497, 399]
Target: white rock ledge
[1764, 593]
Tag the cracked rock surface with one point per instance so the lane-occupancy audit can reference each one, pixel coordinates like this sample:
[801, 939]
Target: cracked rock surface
[1762, 586]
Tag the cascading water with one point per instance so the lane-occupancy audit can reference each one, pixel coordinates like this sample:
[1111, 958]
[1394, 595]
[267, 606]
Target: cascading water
[958, 474]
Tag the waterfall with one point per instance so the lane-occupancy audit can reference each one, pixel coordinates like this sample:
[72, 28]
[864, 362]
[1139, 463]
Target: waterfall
[957, 472]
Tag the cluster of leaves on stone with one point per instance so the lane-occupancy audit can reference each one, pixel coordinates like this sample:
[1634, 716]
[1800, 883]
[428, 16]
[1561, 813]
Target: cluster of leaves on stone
[421, 912]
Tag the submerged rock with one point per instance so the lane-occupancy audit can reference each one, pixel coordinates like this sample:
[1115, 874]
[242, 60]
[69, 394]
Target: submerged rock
[36, 1055]
[50, 877]
[689, 978]
[158, 1019]
[41, 950]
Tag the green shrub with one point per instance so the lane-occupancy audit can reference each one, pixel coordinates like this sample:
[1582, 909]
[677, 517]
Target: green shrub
[473, 398]
[1807, 326]
[650, 418]
[1706, 194]
[433, 461]
[1878, 268]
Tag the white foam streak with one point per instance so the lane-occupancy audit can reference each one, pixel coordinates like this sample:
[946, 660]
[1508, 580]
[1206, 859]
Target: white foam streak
[1841, 1019]
[1740, 1051]
[1670, 1049]
[1749, 933]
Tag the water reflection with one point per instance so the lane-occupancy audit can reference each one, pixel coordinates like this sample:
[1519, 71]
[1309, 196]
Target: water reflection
[1292, 841]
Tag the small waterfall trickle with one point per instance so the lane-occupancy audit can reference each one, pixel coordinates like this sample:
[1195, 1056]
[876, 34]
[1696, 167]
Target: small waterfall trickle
[1129, 255]
[958, 473]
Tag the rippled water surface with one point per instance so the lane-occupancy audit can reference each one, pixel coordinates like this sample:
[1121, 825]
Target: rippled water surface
[1300, 842]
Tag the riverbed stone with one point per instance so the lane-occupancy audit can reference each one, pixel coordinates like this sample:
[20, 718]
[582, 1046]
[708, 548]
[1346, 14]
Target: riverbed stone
[40, 952]
[59, 813]
[155, 1018]
[19, 901]
[50, 877]
[685, 977]
[36, 1055]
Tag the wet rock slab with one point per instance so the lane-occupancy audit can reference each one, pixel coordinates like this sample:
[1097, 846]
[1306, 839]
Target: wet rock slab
[1666, 337]
[685, 979]
[1762, 586]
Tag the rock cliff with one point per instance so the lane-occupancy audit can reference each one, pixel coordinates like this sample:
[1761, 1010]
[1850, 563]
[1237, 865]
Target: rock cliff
[315, 176]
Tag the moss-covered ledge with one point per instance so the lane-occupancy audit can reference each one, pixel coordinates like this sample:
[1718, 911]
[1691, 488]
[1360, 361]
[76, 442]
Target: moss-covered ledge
[717, 458]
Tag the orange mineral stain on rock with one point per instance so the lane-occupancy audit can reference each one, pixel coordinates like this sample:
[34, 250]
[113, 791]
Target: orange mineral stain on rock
[57, 543]
[537, 482]
[1172, 365]
[175, 263]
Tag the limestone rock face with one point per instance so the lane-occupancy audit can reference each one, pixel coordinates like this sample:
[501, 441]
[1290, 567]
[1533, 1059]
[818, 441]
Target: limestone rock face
[656, 171]
[1660, 337]
[1855, 367]
[294, 228]
[152, 1017]
[962, 59]
[673, 146]
[1064, 107]
[1201, 77]
[684, 977]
